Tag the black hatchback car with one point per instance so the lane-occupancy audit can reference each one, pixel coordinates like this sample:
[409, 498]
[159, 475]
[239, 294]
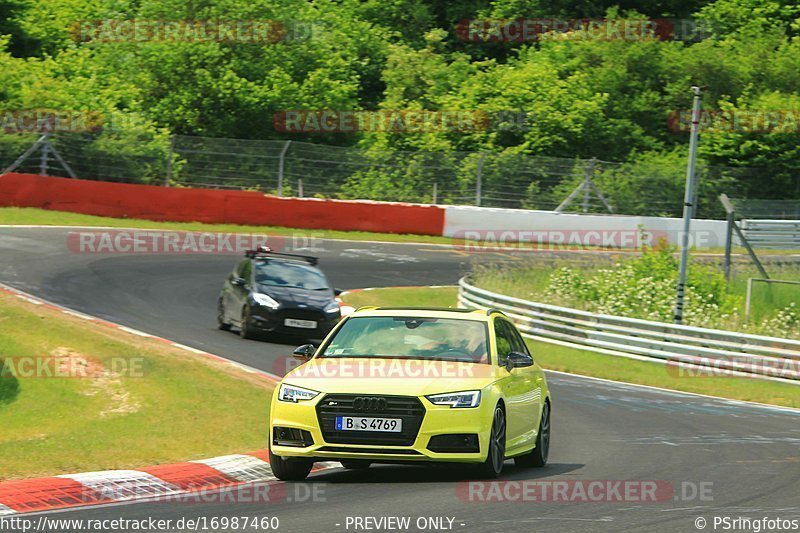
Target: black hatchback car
[270, 292]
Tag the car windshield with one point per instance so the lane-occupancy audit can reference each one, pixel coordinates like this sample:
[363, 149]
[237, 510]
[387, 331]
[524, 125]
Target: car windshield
[290, 275]
[410, 337]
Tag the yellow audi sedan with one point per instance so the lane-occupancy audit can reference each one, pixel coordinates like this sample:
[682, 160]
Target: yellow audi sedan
[412, 385]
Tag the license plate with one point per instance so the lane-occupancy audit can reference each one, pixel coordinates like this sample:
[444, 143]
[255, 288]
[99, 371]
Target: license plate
[365, 423]
[295, 323]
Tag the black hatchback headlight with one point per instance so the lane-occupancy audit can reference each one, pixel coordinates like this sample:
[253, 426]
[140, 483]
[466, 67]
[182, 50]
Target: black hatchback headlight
[265, 300]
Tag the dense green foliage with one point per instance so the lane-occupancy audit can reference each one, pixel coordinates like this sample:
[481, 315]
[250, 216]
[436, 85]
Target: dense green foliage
[585, 95]
[644, 287]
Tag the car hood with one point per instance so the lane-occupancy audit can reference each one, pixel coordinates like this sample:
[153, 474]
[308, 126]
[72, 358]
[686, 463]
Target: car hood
[292, 297]
[404, 377]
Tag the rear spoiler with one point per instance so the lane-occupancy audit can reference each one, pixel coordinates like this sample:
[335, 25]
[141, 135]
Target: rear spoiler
[265, 252]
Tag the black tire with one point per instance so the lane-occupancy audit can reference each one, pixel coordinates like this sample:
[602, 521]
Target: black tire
[289, 468]
[493, 466]
[244, 327]
[356, 464]
[221, 324]
[537, 457]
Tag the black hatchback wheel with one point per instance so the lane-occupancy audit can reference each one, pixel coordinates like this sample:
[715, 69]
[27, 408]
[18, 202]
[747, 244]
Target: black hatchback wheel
[245, 330]
[221, 322]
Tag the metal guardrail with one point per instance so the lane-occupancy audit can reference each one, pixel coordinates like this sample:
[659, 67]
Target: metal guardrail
[709, 350]
[780, 234]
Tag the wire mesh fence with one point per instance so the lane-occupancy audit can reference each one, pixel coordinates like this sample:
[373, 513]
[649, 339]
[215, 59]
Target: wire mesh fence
[768, 209]
[292, 168]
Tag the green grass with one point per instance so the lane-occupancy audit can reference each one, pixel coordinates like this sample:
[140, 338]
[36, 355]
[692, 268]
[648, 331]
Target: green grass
[403, 297]
[589, 363]
[174, 406]
[767, 297]
[44, 217]
[530, 280]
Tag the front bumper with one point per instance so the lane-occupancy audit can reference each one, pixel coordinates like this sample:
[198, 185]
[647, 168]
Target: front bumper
[437, 420]
[267, 320]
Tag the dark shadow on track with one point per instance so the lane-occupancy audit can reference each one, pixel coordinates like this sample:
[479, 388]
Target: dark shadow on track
[272, 338]
[438, 473]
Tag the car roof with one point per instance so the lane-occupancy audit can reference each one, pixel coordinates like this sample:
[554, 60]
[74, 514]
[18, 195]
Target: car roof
[262, 259]
[429, 312]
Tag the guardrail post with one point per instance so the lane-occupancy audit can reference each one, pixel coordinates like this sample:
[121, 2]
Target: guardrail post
[435, 193]
[747, 300]
[728, 245]
[733, 226]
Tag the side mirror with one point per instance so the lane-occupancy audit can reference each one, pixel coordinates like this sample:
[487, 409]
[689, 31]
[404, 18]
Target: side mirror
[304, 352]
[337, 292]
[239, 282]
[518, 360]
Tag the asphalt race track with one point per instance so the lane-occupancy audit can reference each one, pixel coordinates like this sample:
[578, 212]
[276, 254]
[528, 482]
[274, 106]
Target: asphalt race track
[720, 458]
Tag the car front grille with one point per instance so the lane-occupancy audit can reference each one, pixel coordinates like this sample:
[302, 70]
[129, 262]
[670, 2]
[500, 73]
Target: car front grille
[407, 408]
[341, 449]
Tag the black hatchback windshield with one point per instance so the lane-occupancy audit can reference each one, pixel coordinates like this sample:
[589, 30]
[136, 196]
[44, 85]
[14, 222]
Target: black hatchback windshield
[290, 275]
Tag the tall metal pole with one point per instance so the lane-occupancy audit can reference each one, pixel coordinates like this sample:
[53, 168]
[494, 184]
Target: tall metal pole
[281, 163]
[728, 245]
[688, 205]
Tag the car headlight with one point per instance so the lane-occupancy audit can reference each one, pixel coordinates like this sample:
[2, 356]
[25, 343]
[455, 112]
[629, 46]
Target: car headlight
[470, 398]
[290, 393]
[266, 301]
[333, 307]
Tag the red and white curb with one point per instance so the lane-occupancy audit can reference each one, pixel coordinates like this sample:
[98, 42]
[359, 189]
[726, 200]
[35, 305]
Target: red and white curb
[343, 307]
[153, 483]
[110, 486]
[158, 483]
